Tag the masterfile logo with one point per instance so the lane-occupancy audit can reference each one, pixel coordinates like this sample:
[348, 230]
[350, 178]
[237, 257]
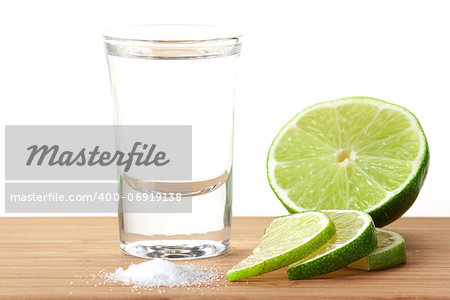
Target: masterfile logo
[53, 156]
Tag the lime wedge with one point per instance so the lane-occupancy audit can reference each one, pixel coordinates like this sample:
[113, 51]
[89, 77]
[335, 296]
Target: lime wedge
[354, 153]
[286, 240]
[355, 238]
[390, 251]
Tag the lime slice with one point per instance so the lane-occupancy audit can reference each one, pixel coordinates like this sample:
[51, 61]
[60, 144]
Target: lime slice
[390, 251]
[355, 153]
[355, 238]
[286, 240]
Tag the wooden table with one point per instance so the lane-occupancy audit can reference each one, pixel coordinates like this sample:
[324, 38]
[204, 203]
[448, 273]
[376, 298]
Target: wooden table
[55, 257]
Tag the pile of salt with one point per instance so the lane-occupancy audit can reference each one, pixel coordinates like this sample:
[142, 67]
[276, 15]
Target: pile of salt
[159, 272]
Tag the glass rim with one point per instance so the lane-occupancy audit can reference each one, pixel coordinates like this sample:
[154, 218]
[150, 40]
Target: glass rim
[216, 34]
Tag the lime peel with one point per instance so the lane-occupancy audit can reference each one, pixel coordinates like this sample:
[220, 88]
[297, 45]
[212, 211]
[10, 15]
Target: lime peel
[285, 241]
[390, 251]
[355, 238]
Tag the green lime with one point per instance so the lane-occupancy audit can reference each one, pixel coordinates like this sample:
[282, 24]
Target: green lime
[286, 240]
[355, 238]
[354, 153]
[390, 251]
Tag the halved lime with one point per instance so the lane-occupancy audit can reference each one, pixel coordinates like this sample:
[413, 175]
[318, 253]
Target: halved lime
[286, 240]
[355, 238]
[390, 251]
[353, 153]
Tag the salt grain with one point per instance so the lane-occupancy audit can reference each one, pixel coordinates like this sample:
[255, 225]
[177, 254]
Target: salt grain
[159, 272]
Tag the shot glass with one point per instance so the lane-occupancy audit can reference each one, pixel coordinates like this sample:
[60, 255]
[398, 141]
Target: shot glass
[177, 75]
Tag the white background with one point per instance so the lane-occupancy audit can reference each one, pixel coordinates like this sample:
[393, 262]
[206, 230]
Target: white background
[53, 70]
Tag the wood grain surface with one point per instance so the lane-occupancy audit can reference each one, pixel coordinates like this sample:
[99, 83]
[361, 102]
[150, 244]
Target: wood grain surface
[54, 258]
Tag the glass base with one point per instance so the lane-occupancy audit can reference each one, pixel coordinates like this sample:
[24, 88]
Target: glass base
[175, 249]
